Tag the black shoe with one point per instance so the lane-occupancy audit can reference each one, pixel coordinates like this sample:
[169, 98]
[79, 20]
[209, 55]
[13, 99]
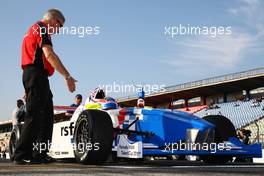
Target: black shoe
[35, 161]
[47, 159]
[22, 162]
[27, 161]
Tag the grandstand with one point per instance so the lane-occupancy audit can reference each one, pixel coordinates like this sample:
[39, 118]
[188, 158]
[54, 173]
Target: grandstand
[225, 88]
[240, 113]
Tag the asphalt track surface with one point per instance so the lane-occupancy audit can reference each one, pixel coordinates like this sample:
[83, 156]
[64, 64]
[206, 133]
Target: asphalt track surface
[147, 168]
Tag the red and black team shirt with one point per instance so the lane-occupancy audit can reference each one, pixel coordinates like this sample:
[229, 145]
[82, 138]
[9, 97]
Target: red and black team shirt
[32, 54]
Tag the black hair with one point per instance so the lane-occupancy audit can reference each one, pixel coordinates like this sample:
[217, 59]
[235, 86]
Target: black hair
[20, 103]
[78, 96]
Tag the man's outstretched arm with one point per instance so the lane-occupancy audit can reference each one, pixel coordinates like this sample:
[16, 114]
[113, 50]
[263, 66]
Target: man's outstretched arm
[55, 61]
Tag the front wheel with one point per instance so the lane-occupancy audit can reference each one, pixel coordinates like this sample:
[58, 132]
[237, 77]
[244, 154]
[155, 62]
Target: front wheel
[93, 137]
[224, 129]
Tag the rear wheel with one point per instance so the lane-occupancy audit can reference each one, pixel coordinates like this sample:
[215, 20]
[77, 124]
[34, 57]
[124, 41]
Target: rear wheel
[15, 134]
[93, 137]
[224, 129]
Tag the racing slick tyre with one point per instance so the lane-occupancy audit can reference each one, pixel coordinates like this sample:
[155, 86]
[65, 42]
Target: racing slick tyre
[15, 134]
[93, 137]
[224, 129]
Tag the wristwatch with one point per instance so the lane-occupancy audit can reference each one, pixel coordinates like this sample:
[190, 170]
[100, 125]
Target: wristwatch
[68, 77]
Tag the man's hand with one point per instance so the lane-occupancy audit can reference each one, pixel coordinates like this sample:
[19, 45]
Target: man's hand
[71, 83]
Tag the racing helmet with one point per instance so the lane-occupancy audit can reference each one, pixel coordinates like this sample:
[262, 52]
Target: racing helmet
[98, 100]
[97, 95]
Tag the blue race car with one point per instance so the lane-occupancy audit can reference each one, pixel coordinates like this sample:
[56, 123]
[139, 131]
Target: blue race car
[99, 128]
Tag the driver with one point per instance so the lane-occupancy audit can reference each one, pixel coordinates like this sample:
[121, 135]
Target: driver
[96, 95]
[98, 100]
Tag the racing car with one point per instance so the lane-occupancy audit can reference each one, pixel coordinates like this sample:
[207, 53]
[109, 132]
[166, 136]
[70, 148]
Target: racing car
[100, 128]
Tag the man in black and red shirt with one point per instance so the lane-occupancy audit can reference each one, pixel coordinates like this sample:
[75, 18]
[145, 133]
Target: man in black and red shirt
[39, 61]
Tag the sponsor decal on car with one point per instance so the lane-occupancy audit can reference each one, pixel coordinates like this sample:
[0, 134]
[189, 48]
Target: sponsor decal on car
[127, 148]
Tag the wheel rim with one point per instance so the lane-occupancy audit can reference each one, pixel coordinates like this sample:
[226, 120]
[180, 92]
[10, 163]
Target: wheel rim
[13, 144]
[83, 136]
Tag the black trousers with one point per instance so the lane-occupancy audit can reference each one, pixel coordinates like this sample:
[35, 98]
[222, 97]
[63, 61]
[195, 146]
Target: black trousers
[38, 125]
